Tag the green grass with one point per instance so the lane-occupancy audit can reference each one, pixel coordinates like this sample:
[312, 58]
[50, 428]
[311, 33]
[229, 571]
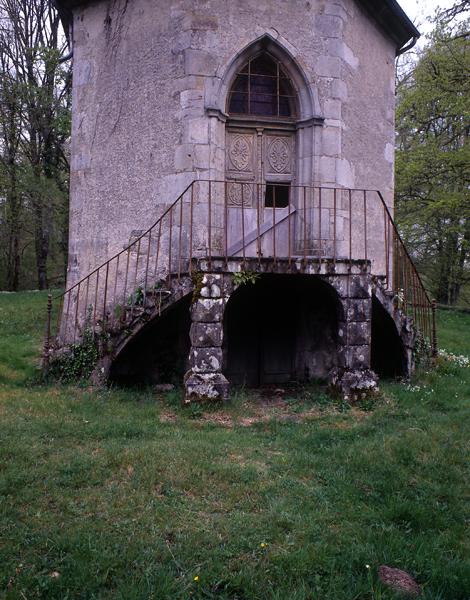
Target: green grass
[122, 494]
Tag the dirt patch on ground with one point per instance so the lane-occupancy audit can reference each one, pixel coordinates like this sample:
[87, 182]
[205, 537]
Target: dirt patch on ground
[262, 408]
[221, 419]
[168, 416]
[270, 404]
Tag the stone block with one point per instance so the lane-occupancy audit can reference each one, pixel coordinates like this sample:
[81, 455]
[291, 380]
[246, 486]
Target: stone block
[197, 130]
[202, 156]
[227, 285]
[329, 26]
[345, 172]
[191, 98]
[328, 66]
[184, 157]
[349, 57]
[332, 109]
[205, 386]
[339, 283]
[357, 357]
[198, 20]
[207, 310]
[199, 62]
[206, 335]
[359, 310]
[358, 333]
[353, 383]
[339, 89]
[331, 141]
[205, 360]
[337, 9]
[360, 286]
[327, 169]
[212, 285]
[211, 291]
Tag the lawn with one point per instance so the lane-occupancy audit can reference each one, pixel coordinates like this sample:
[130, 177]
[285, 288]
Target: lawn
[124, 494]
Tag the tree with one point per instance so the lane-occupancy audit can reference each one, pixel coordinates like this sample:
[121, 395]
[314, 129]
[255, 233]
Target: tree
[433, 156]
[34, 129]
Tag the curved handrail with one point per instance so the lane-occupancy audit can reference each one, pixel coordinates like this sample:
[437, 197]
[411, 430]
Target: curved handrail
[126, 248]
[198, 225]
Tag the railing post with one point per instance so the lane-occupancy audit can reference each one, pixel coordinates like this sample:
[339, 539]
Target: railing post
[434, 329]
[47, 337]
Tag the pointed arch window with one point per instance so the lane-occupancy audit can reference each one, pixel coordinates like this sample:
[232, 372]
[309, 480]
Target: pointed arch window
[262, 88]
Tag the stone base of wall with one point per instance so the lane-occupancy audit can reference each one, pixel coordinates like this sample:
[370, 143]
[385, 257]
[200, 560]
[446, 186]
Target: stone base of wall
[353, 384]
[205, 387]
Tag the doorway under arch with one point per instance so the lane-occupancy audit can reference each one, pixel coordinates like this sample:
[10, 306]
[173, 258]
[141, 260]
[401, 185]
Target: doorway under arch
[282, 328]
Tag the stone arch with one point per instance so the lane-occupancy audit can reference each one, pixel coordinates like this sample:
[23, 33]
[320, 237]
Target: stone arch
[388, 351]
[157, 349]
[309, 108]
[282, 328]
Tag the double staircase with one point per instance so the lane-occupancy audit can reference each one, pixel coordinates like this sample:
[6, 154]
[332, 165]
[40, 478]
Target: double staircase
[205, 229]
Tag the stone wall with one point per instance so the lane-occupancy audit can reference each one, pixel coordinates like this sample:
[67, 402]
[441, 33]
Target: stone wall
[149, 87]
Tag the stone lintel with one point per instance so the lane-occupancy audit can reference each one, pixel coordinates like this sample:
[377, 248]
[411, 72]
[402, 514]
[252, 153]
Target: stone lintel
[310, 266]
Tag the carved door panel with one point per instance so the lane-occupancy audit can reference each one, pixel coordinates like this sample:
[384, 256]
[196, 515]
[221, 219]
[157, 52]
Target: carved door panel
[278, 157]
[259, 170]
[242, 167]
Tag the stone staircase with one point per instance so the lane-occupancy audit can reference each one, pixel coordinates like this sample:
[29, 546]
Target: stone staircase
[162, 265]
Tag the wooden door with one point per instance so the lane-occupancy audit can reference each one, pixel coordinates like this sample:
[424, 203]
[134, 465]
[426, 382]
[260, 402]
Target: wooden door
[260, 167]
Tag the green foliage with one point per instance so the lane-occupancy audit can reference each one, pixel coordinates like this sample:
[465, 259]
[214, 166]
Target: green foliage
[433, 158]
[118, 311]
[422, 350]
[137, 297]
[197, 279]
[78, 361]
[34, 132]
[244, 277]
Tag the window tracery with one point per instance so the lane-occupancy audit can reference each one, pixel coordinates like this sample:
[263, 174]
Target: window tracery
[262, 88]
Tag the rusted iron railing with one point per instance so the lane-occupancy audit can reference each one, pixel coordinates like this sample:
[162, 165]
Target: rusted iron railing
[244, 220]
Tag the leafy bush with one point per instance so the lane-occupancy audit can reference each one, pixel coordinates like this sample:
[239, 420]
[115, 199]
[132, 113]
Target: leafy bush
[78, 362]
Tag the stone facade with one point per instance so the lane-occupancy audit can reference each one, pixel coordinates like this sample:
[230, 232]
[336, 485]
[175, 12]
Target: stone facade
[151, 83]
[149, 97]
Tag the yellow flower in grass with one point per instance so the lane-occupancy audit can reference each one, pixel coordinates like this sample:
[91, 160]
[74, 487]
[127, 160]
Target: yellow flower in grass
[196, 578]
[263, 545]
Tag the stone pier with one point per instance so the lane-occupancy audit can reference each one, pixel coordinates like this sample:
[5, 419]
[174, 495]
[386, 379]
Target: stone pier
[205, 380]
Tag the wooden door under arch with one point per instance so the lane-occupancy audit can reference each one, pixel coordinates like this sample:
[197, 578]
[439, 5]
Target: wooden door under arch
[260, 173]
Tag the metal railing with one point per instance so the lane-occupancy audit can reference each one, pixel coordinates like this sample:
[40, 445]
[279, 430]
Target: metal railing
[248, 221]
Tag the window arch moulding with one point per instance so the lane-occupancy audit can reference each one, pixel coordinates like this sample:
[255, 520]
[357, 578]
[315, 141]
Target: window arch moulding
[307, 103]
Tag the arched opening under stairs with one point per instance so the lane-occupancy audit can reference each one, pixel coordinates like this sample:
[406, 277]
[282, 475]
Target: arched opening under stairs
[282, 328]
